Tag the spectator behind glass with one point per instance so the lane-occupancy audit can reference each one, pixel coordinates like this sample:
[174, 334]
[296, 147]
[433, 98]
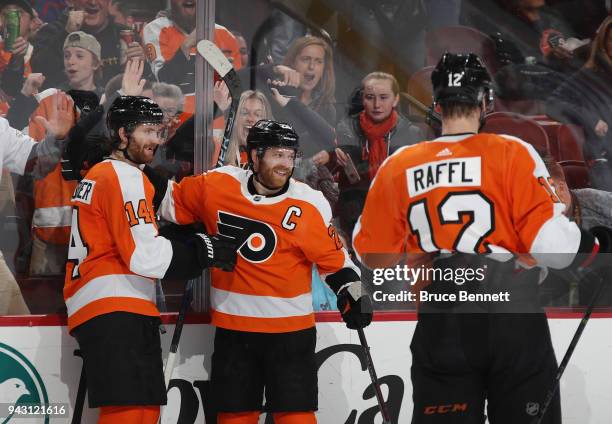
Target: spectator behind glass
[15, 64]
[367, 139]
[243, 48]
[586, 99]
[52, 210]
[170, 44]
[170, 100]
[92, 17]
[312, 57]
[253, 106]
[82, 70]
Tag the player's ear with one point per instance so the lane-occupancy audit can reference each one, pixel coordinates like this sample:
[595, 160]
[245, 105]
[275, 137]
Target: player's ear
[254, 158]
[124, 138]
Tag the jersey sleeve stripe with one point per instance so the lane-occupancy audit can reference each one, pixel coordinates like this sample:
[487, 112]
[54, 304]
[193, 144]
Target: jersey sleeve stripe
[152, 255]
[167, 209]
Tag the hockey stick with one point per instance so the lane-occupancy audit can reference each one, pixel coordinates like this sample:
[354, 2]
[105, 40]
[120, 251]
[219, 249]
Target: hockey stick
[223, 67]
[568, 354]
[81, 391]
[379, 397]
[215, 58]
[178, 330]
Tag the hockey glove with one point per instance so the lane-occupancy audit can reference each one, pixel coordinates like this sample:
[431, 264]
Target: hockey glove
[355, 305]
[215, 251]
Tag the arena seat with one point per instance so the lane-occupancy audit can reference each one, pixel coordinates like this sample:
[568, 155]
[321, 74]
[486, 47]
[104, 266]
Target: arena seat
[460, 39]
[419, 87]
[576, 173]
[570, 139]
[519, 126]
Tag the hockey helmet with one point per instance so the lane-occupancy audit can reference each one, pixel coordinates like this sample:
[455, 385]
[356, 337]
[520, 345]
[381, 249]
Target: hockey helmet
[267, 133]
[461, 78]
[129, 112]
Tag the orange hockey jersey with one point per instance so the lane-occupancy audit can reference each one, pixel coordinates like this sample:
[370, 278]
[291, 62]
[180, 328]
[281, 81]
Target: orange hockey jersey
[280, 237]
[114, 253]
[468, 193]
[163, 39]
[51, 220]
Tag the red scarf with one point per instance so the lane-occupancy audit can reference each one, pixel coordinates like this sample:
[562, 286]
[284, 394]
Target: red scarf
[376, 133]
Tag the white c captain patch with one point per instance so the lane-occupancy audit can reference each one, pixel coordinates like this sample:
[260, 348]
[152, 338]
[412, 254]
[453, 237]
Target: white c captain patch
[84, 192]
[460, 172]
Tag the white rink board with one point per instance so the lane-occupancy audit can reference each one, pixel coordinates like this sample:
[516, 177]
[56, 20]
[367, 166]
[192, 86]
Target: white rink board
[586, 386]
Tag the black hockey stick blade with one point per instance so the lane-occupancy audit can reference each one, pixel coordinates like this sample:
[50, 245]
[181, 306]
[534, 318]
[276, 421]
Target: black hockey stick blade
[370, 364]
[215, 58]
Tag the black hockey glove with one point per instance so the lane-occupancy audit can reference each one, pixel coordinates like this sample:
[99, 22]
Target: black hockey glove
[355, 305]
[215, 251]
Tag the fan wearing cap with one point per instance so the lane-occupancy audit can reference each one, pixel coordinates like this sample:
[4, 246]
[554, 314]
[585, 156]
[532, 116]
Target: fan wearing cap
[52, 210]
[472, 201]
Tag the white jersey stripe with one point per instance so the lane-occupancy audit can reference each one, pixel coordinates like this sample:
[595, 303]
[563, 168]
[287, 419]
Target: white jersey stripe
[116, 285]
[245, 305]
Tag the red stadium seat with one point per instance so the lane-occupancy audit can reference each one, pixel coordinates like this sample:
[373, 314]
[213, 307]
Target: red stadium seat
[570, 139]
[519, 126]
[576, 174]
[419, 87]
[460, 39]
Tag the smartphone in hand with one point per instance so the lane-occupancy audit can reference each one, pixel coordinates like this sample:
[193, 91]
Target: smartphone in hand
[350, 171]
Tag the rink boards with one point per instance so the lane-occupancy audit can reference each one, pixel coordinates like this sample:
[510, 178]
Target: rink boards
[39, 352]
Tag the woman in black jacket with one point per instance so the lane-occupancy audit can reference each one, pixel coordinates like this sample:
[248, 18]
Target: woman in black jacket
[586, 99]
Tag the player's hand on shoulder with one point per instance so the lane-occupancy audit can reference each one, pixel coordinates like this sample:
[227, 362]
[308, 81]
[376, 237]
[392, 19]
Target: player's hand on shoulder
[355, 305]
[217, 251]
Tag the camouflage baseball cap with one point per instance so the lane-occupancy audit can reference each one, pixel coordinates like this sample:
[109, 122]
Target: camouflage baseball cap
[84, 41]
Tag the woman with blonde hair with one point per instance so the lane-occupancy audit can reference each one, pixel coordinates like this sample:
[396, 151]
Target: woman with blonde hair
[585, 99]
[252, 107]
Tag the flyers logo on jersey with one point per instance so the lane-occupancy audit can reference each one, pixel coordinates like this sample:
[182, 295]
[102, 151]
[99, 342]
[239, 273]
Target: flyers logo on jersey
[257, 240]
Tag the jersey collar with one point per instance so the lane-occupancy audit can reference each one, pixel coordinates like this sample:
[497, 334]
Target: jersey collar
[451, 138]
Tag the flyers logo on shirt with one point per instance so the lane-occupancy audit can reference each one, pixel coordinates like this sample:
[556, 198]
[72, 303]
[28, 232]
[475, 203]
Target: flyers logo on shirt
[257, 239]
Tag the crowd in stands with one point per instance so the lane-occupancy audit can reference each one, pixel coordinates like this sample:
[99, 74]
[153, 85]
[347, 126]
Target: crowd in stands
[313, 68]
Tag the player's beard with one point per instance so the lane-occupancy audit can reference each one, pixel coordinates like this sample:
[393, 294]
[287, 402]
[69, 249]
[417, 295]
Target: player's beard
[270, 178]
[140, 154]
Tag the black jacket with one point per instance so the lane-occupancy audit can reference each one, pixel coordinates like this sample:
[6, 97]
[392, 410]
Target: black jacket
[352, 141]
[584, 99]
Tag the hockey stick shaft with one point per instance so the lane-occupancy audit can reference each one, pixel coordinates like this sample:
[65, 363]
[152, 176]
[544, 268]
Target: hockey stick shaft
[79, 403]
[370, 364]
[568, 354]
[221, 65]
[178, 330]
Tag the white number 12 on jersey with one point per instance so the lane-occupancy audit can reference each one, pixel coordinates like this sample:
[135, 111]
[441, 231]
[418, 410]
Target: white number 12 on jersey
[451, 209]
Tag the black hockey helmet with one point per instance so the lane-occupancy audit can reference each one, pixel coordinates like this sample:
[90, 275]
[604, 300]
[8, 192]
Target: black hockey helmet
[267, 133]
[461, 78]
[129, 112]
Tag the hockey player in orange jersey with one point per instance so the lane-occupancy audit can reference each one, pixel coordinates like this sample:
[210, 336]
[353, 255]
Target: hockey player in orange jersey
[265, 336]
[115, 254]
[467, 194]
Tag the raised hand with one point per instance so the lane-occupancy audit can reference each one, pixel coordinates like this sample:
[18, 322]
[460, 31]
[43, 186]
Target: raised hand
[32, 84]
[132, 83]
[62, 116]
